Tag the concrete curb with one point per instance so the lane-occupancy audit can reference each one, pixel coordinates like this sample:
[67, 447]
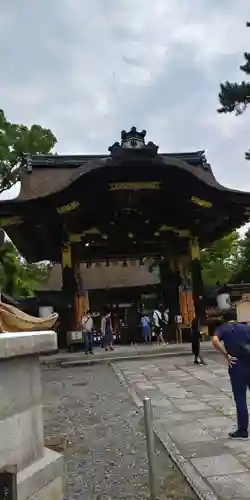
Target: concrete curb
[130, 390]
[63, 363]
[197, 483]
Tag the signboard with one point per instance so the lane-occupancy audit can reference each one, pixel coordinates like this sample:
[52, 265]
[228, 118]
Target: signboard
[243, 311]
[8, 483]
[201, 203]
[76, 335]
[95, 314]
[134, 186]
[11, 221]
[69, 207]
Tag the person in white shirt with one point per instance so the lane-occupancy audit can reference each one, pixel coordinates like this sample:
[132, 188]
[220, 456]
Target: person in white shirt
[157, 323]
[87, 328]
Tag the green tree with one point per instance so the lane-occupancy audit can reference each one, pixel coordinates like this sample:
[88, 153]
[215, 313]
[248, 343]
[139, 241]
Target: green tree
[222, 259]
[235, 97]
[17, 277]
[242, 274]
[16, 139]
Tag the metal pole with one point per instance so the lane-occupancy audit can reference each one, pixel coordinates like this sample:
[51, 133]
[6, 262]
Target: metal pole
[150, 446]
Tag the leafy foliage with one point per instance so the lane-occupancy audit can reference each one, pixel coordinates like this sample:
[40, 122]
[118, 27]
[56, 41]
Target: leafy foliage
[235, 97]
[242, 274]
[15, 140]
[222, 260]
[17, 277]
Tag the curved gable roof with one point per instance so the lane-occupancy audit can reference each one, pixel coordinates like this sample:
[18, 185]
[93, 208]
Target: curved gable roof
[50, 174]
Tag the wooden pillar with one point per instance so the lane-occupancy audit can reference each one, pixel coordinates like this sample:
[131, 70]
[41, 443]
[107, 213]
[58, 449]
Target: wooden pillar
[66, 255]
[170, 282]
[69, 284]
[186, 295]
[68, 278]
[81, 296]
[196, 273]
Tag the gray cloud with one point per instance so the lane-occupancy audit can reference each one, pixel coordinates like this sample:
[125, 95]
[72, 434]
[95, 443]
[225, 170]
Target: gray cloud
[88, 69]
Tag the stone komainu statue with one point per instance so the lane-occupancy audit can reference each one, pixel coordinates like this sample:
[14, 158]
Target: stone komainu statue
[13, 319]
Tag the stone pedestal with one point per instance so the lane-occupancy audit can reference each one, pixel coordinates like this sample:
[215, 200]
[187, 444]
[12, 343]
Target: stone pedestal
[40, 471]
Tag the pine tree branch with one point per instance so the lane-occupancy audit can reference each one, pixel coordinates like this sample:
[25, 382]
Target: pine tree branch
[234, 97]
[246, 67]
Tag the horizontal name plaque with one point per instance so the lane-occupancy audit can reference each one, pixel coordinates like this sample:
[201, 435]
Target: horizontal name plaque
[134, 186]
[69, 207]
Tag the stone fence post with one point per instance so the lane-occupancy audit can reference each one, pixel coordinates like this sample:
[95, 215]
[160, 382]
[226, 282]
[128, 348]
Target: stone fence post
[40, 471]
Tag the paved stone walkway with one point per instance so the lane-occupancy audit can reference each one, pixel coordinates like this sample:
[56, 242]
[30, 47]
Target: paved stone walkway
[106, 456]
[193, 413]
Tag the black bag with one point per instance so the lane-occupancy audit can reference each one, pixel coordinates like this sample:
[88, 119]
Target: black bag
[160, 318]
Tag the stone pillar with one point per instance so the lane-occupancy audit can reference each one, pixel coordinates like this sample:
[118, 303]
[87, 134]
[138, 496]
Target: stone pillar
[40, 471]
[196, 273]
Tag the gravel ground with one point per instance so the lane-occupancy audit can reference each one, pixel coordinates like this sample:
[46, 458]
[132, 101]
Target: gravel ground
[106, 456]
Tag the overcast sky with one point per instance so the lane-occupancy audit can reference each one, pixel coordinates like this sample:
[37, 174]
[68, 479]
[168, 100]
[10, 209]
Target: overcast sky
[87, 69]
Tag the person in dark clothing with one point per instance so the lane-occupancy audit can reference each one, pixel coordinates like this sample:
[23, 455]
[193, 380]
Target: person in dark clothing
[131, 320]
[87, 329]
[232, 340]
[158, 325]
[107, 331]
[196, 342]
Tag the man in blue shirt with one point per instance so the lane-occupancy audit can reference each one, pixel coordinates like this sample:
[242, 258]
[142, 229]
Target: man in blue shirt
[232, 339]
[145, 324]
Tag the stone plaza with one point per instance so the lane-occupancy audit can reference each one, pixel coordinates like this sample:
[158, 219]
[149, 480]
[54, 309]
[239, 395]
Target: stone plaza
[193, 412]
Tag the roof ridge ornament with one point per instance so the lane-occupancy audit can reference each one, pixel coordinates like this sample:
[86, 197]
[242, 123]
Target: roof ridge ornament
[132, 143]
[204, 161]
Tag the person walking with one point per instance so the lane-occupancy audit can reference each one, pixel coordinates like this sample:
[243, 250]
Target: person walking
[107, 331]
[232, 340]
[157, 324]
[145, 324]
[166, 329]
[196, 342]
[87, 328]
